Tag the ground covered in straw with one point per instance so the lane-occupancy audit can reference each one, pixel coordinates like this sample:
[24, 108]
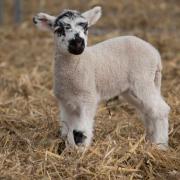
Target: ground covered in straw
[30, 146]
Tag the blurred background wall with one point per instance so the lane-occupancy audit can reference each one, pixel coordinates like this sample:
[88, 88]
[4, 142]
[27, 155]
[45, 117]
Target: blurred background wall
[155, 21]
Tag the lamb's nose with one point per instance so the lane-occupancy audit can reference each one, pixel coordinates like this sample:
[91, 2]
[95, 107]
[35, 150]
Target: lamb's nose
[76, 36]
[78, 40]
[76, 45]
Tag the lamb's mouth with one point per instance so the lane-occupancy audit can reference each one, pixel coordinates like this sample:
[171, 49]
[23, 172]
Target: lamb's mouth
[76, 51]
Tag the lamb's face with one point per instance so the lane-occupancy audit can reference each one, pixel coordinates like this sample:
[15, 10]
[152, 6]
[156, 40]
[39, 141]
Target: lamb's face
[70, 28]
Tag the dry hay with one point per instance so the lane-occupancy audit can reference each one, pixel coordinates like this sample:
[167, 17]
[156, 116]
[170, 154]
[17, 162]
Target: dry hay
[30, 147]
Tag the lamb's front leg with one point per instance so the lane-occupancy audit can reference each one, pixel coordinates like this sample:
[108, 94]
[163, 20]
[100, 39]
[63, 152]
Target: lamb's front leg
[80, 124]
[64, 121]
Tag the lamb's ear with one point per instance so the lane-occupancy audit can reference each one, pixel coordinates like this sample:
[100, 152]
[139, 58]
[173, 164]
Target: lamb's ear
[44, 21]
[93, 15]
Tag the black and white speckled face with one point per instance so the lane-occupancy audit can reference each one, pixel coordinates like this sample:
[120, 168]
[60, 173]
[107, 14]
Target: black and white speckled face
[70, 29]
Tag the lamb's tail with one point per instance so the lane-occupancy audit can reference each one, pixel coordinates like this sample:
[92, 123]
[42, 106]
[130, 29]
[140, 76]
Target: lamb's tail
[158, 76]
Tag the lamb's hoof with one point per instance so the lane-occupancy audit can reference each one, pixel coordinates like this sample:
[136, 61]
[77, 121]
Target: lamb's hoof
[79, 137]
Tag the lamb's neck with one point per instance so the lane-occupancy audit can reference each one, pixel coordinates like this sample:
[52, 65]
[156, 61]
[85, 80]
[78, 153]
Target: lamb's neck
[66, 59]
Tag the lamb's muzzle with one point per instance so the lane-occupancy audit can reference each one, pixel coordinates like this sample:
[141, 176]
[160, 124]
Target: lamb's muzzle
[76, 45]
[83, 76]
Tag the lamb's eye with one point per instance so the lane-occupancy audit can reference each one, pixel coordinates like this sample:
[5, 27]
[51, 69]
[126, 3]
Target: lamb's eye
[83, 25]
[67, 26]
[59, 30]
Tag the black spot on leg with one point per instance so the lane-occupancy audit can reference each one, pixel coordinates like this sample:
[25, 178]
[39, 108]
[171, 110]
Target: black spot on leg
[79, 137]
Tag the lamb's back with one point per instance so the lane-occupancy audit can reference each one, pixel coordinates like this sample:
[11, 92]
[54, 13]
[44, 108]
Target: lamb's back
[121, 60]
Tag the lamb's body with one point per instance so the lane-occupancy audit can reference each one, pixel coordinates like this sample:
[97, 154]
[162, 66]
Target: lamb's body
[119, 62]
[107, 69]
[125, 66]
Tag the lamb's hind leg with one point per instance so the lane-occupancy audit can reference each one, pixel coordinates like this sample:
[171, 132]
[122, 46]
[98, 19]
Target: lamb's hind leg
[156, 122]
[154, 110]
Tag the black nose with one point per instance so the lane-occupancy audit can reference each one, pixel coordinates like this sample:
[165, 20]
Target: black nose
[79, 137]
[78, 41]
[76, 45]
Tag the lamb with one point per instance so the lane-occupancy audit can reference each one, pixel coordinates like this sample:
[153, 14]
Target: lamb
[83, 76]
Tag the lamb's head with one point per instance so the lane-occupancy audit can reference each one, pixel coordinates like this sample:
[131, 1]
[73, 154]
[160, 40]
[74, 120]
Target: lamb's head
[70, 28]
